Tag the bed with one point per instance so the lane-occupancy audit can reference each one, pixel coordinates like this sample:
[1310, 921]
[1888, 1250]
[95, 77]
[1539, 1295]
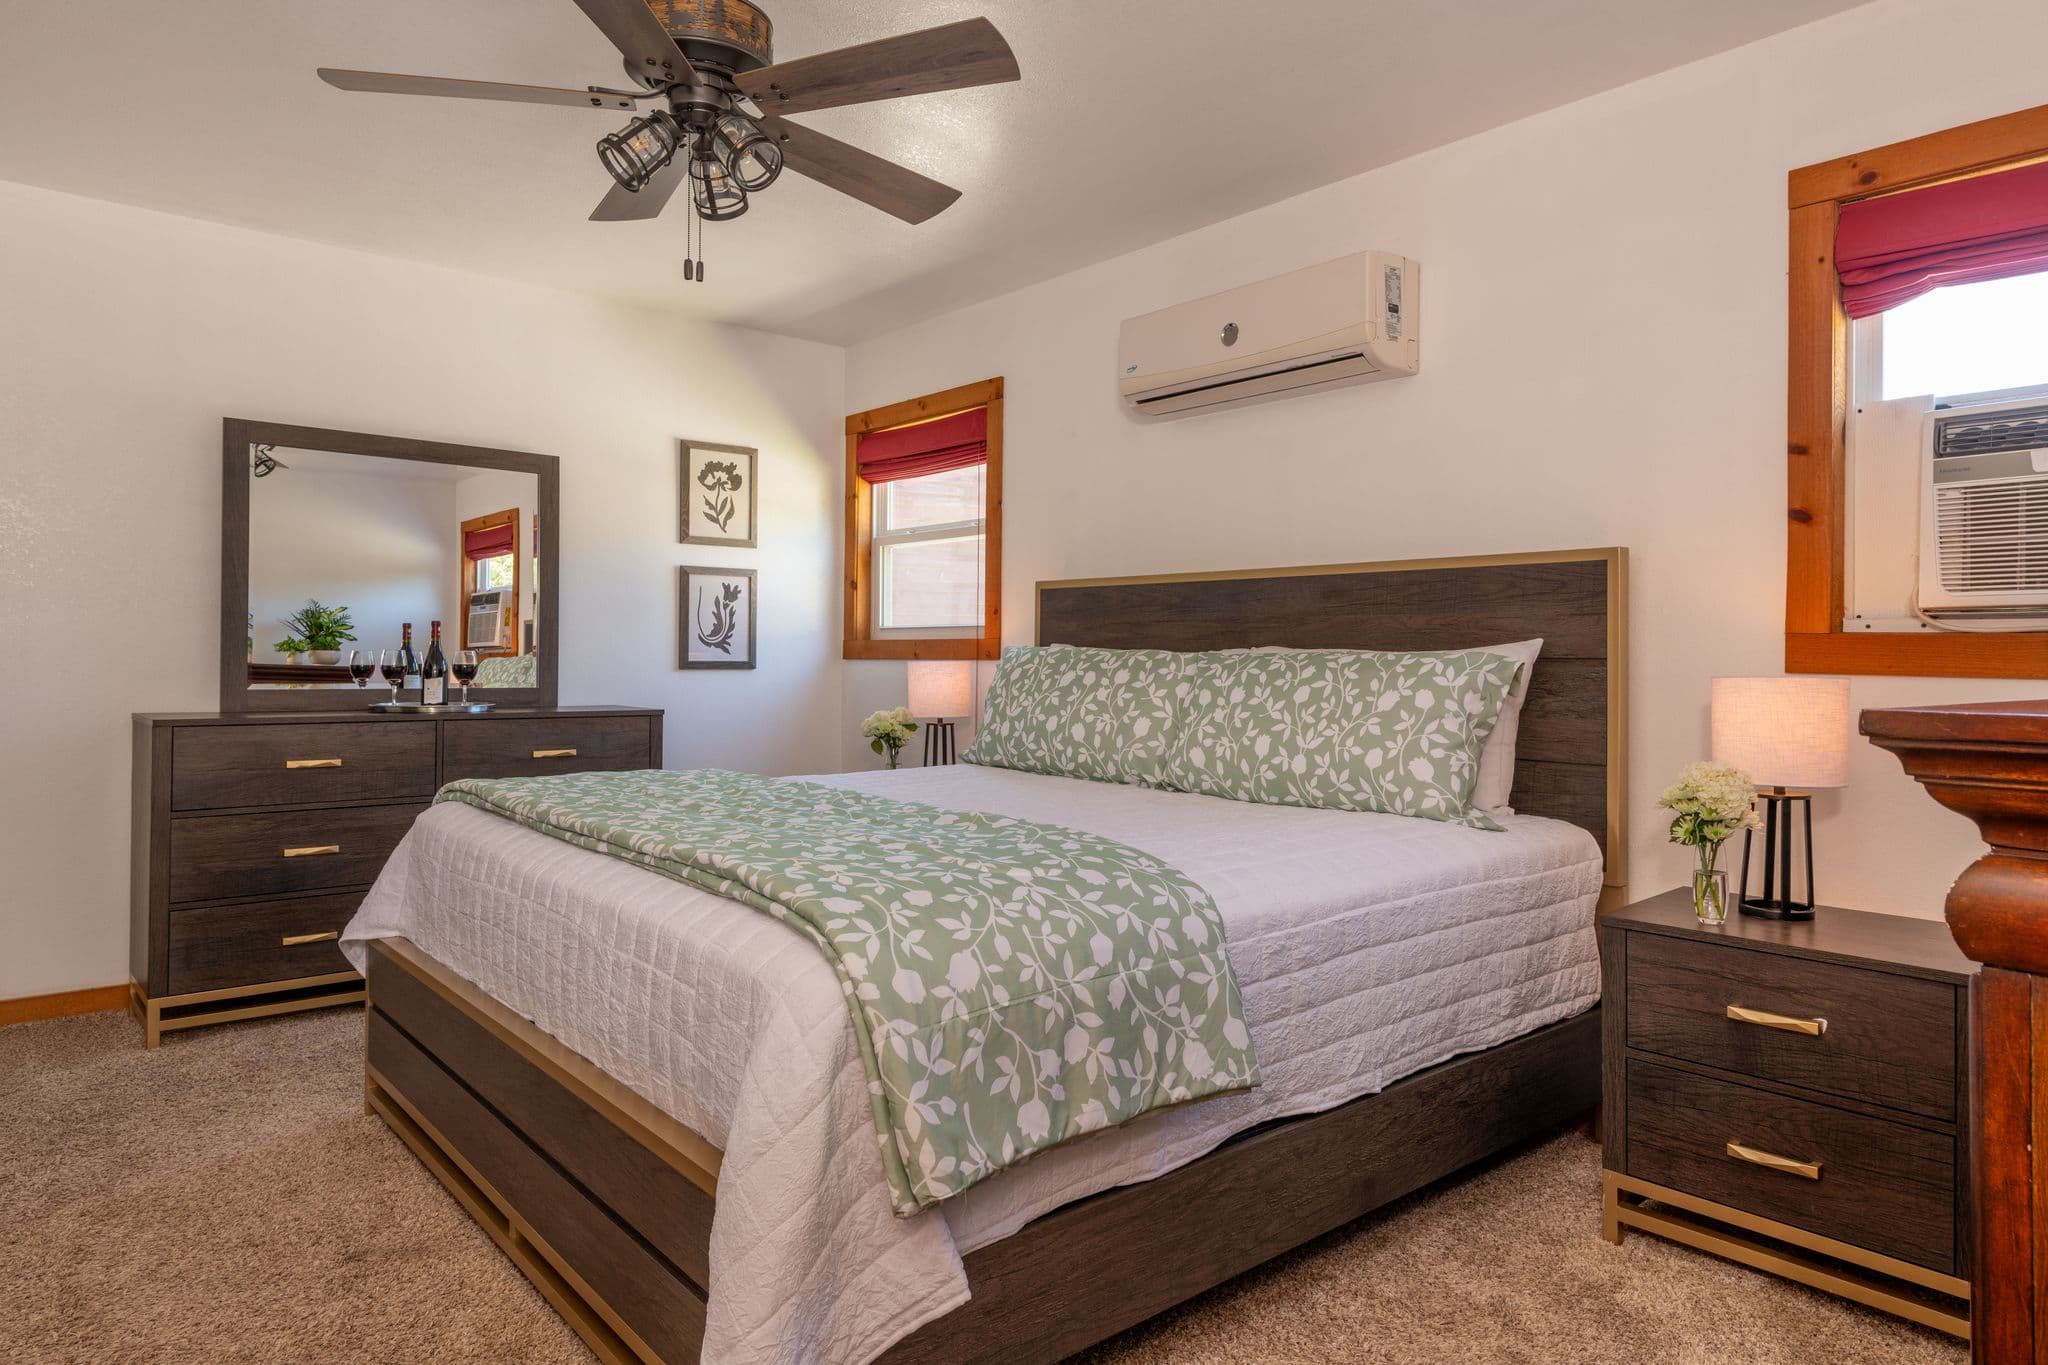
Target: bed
[578, 1072]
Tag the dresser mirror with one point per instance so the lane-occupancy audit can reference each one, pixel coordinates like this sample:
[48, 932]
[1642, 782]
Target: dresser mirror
[333, 543]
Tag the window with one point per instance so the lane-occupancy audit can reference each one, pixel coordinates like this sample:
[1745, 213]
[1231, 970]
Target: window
[489, 549]
[1964, 340]
[924, 526]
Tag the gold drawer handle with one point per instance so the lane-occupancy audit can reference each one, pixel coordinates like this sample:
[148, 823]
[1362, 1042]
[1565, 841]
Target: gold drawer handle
[1812, 1028]
[312, 763]
[294, 940]
[312, 850]
[1771, 1161]
[554, 753]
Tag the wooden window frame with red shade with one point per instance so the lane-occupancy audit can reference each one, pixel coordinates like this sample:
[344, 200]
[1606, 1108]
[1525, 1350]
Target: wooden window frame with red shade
[1817, 357]
[861, 641]
[468, 574]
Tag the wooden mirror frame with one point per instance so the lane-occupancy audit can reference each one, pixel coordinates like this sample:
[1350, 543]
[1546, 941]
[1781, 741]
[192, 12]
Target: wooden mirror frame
[1818, 405]
[239, 434]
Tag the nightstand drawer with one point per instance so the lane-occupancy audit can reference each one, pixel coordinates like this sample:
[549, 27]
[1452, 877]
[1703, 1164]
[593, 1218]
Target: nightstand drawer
[1873, 1183]
[216, 857]
[1874, 1036]
[244, 945]
[217, 766]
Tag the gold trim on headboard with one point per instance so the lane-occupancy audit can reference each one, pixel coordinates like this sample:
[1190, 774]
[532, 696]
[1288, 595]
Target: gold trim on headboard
[1616, 559]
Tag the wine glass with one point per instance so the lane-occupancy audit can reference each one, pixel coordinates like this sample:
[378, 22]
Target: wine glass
[464, 668]
[391, 662]
[361, 664]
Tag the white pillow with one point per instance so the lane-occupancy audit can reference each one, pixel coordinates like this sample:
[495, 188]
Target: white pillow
[1497, 760]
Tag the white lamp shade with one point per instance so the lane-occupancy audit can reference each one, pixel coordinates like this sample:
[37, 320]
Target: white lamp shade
[941, 689]
[1784, 732]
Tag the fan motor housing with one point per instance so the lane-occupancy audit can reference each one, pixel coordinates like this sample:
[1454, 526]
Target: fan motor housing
[726, 33]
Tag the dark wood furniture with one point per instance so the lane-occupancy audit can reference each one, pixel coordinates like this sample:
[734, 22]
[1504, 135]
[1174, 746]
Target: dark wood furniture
[1989, 761]
[238, 437]
[256, 835]
[605, 1202]
[1793, 1095]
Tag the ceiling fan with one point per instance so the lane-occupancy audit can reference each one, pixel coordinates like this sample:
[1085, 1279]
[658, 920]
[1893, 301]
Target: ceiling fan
[721, 103]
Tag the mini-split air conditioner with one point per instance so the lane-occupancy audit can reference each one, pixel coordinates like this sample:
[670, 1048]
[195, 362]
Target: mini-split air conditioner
[1347, 321]
[1984, 510]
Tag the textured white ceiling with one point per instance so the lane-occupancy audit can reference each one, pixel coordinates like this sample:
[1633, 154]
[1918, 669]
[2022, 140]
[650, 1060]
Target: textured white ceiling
[1136, 120]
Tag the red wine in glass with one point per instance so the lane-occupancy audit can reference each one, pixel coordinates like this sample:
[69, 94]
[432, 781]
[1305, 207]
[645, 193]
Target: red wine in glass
[464, 668]
[391, 663]
[362, 665]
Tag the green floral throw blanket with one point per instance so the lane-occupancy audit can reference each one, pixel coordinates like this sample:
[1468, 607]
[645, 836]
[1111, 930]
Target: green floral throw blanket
[1012, 984]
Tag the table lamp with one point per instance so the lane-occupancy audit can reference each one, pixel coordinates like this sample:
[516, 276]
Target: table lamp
[1791, 735]
[939, 690]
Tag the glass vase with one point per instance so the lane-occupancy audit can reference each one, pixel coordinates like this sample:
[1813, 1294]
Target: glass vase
[1710, 895]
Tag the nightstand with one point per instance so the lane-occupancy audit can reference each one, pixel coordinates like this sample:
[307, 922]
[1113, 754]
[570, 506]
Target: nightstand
[1793, 1096]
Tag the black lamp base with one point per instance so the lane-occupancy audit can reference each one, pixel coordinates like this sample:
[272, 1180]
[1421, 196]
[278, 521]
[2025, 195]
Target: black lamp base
[1776, 900]
[938, 743]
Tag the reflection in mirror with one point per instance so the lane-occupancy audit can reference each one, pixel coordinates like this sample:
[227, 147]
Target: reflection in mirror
[347, 552]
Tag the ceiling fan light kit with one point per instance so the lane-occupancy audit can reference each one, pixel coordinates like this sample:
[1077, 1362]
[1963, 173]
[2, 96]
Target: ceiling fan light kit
[721, 122]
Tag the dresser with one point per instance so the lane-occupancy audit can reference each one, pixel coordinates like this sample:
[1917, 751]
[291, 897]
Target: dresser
[256, 835]
[1794, 1096]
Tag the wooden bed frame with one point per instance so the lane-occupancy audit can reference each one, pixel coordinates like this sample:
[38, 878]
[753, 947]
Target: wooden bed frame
[605, 1202]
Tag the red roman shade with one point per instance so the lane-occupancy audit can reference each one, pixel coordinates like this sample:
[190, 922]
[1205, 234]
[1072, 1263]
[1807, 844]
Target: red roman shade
[937, 447]
[490, 542]
[1898, 247]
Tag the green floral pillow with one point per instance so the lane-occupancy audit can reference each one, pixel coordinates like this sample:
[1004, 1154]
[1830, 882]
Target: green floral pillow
[1341, 729]
[1107, 715]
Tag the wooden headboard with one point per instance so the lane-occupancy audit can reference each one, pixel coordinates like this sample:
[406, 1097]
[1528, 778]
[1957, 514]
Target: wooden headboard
[1571, 759]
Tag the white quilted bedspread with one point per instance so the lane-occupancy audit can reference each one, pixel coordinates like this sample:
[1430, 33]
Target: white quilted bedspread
[1367, 947]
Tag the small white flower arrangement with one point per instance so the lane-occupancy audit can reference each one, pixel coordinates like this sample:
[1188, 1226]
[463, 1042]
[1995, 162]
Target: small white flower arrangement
[1710, 802]
[888, 731]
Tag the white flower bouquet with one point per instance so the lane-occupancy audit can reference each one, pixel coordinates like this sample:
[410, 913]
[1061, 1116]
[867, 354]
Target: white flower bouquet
[888, 731]
[1708, 803]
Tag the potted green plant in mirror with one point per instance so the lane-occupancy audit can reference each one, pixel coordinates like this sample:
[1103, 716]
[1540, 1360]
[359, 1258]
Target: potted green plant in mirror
[1708, 803]
[291, 647]
[319, 632]
[888, 731]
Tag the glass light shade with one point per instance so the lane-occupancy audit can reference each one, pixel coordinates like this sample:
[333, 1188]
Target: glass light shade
[749, 155]
[713, 190]
[941, 689]
[634, 153]
[1784, 732]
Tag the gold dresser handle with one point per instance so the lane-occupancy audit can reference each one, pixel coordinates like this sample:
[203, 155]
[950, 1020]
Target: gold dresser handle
[312, 763]
[1812, 1028]
[294, 940]
[554, 753]
[1771, 1161]
[312, 850]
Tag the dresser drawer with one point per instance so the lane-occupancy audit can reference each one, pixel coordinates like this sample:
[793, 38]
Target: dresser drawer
[218, 766]
[246, 945]
[214, 857]
[540, 746]
[1887, 1039]
[1881, 1185]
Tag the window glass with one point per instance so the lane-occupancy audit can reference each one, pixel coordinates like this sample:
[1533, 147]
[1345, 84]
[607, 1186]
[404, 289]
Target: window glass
[929, 541]
[934, 500]
[495, 572]
[1968, 339]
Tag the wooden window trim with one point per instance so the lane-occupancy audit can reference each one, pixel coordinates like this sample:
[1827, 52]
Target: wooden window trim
[860, 642]
[1818, 404]
[467, 571]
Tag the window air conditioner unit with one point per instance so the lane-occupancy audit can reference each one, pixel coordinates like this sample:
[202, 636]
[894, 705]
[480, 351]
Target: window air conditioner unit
[490, 619]
[1984, 510]
[1347, 321]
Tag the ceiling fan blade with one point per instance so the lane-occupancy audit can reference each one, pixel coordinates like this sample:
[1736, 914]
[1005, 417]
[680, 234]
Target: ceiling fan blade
[651, 55]
[873, 180]
[622, 205]
[389, 83]
[948, 57]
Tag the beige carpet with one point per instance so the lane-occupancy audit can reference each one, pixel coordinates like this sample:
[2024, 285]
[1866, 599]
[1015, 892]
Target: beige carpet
[226, 1199]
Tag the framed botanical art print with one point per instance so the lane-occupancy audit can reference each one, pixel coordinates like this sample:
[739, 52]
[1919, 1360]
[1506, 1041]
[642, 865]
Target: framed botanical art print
[715, 618]
[719, 494]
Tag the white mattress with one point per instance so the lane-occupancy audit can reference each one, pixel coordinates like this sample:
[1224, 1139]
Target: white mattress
[1367, 947]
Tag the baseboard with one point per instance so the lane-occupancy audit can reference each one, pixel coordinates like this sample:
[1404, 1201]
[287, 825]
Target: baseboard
[92, 1000]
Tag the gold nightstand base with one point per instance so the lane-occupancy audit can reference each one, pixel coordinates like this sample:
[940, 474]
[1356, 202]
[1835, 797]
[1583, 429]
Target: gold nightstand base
[1781, 1249]
[165, 1013]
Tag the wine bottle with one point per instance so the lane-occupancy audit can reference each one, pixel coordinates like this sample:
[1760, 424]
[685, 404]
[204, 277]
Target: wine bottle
[434, 672]
[405, 653]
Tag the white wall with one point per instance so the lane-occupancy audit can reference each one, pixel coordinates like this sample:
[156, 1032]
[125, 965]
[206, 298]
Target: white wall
[126, 336]
[1604, 324]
